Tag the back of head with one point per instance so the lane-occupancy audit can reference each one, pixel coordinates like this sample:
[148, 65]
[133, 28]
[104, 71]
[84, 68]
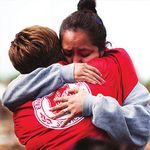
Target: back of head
[34, 47]
[94, 144]
[86, 19]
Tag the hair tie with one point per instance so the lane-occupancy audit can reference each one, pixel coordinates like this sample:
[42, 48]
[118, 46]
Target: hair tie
[97, 20]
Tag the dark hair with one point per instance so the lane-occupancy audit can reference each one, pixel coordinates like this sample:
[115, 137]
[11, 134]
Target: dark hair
[86, 19]
[87, 5]
[94, 144]
[34, 47]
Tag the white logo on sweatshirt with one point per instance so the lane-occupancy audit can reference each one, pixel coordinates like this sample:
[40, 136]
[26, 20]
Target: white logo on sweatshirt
[42, 107]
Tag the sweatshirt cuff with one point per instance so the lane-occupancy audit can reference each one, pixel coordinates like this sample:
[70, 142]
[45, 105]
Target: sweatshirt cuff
[88, 104]
[67, 73]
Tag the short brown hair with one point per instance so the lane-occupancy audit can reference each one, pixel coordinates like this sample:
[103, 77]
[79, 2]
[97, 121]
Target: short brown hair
[34, 47]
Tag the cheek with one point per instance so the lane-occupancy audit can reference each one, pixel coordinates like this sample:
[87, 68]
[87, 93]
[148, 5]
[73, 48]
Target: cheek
[69, 59]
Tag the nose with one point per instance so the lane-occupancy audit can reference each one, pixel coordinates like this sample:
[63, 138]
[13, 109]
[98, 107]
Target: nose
[77, 59]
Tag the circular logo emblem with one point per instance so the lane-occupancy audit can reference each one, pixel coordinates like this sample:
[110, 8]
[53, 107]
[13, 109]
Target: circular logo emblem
[42, 107]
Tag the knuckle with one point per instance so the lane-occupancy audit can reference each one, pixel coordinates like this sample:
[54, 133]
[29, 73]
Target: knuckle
[61, 112]
[73, 113]
[84, 65]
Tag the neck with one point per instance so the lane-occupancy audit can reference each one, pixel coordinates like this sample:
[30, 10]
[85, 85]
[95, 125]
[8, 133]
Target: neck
[101, 54]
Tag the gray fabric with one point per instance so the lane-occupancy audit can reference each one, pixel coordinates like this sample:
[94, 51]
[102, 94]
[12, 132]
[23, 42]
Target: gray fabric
[129, 123]
[38, 83]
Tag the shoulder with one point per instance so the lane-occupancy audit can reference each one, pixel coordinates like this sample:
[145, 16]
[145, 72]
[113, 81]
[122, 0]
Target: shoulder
[106, 65]
[120, 53]
[15, 81]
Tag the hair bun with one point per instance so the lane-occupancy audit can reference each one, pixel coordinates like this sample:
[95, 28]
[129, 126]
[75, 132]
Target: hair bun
[87, 5]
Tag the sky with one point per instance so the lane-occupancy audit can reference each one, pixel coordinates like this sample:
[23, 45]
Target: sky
[127, 23]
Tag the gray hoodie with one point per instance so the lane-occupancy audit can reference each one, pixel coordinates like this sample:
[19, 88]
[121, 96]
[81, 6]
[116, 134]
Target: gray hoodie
[129, 123]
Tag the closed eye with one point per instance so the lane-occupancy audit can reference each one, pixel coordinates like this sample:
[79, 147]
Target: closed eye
[68, 53]
[85, 52]
[85, 55]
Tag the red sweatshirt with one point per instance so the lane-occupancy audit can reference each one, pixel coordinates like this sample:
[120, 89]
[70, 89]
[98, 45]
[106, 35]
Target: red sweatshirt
[34, 127]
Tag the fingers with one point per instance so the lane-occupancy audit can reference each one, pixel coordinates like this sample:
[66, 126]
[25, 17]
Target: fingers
[73, 90]
[85, 72]
[62, 99]
[89, 77]
[59, 107]
[93, 69]
[93, 75]
[70, 117]
[59, 114]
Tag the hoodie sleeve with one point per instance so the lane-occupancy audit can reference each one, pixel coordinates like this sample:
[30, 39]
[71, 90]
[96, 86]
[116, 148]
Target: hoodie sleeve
[38, 83]
[129, 123]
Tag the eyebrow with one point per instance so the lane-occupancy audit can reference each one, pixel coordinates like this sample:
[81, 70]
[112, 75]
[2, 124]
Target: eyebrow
[84, 49]
[66, 49]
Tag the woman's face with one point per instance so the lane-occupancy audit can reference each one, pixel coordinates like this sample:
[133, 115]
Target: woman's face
[77, 47]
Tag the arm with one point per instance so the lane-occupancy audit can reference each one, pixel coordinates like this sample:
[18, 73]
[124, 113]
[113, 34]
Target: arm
[129, 123]
[43, 81]
[36, 84]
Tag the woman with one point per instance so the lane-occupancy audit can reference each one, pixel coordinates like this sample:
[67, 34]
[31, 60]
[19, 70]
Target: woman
[83, 38]
[130, 121]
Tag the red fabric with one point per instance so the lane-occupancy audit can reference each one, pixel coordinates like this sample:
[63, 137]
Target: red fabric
[34, 135]
[119, 73]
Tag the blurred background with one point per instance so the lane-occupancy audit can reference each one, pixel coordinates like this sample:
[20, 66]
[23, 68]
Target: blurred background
[127, 26]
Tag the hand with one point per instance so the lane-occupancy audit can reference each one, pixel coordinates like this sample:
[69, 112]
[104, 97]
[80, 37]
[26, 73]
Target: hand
[85, 72]
[72, 104]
